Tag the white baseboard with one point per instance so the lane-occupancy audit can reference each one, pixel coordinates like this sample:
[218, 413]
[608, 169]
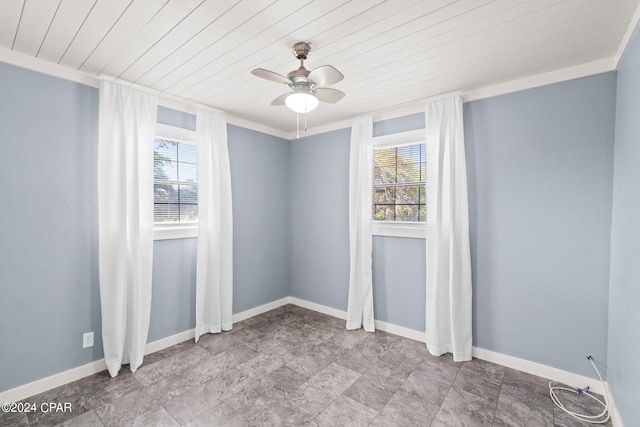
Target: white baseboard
[340, 314]
[163, 343]
[260, 309]
[523, 365]
[534, 368]
[613, 410]
[39, 386]
[44, 384]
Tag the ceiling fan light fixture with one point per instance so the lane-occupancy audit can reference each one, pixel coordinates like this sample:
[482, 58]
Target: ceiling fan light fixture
[301, 102]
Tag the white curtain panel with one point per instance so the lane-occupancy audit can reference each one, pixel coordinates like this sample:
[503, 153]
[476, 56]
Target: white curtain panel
[127, 119]
[448, 313]
[360, 304]
[214, 266]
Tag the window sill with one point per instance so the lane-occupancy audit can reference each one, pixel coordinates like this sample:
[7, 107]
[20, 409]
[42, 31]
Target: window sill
[167, 232]
[399, 229]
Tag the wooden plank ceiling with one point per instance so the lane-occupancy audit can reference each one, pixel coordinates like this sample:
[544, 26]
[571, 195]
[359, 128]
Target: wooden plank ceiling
[392, 52]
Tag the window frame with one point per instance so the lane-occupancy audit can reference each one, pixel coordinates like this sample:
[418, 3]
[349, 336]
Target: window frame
[416, 230]
[177, 230]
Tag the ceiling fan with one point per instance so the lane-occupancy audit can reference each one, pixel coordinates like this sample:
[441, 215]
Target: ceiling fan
[307, 87]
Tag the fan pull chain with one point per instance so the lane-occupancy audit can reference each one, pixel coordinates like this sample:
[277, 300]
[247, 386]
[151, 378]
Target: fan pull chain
[297, 125]
[305, 123]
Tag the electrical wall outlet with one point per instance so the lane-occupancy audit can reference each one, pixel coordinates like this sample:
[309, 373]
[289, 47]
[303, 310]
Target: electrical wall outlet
[87, 340]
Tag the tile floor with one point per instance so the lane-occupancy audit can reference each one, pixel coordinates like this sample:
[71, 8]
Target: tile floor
[296, 367]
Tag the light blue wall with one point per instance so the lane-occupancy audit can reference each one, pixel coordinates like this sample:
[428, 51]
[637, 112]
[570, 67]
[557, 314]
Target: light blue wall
[540, 179]
[49, 292]
[399, 277]
[319, 218]
[540, 167]
[260, 183]
[623, 373]
[174, 288]
[320, 233]
[540, 175]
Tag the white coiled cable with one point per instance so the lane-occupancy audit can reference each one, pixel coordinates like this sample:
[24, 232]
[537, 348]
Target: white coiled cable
[601, 418]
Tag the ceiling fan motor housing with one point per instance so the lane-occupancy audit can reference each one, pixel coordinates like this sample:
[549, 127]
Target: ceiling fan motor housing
[301, 50]
[299, 75]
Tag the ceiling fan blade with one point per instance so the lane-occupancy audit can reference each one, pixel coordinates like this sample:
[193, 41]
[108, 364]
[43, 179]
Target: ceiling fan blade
[280, 100]
[270, 75]
[329, 95]
[325, 75]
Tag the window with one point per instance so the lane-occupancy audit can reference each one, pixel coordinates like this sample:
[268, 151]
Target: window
[398, 183]
[399, 175]
[175, 183]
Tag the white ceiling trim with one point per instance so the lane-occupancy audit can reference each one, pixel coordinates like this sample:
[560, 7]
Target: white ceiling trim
[60, 71]
[45, 67]
[557, 76]
[583, 70]
[627, 36]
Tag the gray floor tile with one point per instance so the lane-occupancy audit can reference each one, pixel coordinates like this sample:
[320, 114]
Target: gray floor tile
[233, 356]
[192, 403]
[530, 382]
[349, 339]
[88, 419]
[406, 409]
[524, 406]
[430, 388]
[217, 343]
[345, 412]
[414, 350]
[478, 384]
[254, 399]
[14, 419]
[284, 413]
[368, 352]
[318, 358]
[227, 383]
[78, 405]
[431, 381]
[100, 389]
[170, 386]
[464, 409]
[285, 379]
[489, 371]
[68, 393]
[373, 391]
[358, 359]
[273, 342]
[170, 365]
[157, 417]
[394, 364]
[261, 365]
[125, 409]
[221, 415]
[323, 388]
[168, 352]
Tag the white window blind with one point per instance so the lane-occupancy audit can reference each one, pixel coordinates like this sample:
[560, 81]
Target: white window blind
[399, 183]
[175, 181]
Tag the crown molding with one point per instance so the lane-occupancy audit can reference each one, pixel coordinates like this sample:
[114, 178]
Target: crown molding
[530, 82]
[166, 100]
[627, 37]
[543, 79]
